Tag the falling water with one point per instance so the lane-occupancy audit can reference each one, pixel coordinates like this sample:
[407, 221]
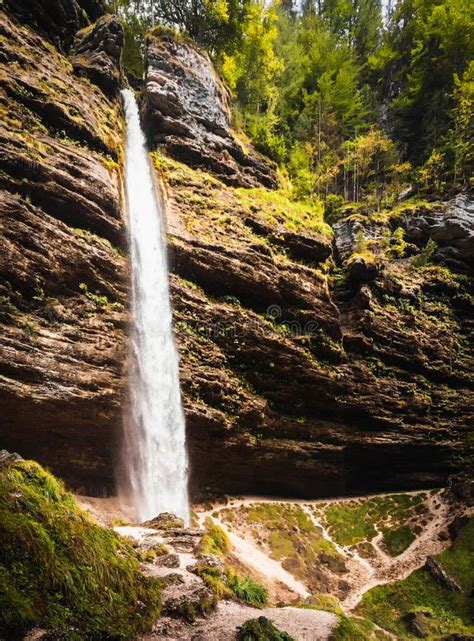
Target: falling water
[153, 458]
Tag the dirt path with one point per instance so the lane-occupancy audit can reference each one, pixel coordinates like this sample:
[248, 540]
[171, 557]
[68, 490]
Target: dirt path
[303, 624]
[251, 556]
[221, 625]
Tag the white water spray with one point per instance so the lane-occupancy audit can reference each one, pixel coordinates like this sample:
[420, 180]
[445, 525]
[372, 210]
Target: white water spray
[153, 457]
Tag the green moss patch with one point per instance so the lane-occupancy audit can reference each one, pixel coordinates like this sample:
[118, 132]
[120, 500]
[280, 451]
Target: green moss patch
[215, 540]
[357, 629]
[292, 538]
[61, 570]
[216, 212]
[353, 522]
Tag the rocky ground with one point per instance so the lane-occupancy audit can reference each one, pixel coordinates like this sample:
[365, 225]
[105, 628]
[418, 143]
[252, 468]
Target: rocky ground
[329, 353]
[356, 567]
[311, 553]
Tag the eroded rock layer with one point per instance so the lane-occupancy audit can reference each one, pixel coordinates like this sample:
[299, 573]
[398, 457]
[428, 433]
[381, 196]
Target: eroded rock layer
[299, 380]
[63, 274]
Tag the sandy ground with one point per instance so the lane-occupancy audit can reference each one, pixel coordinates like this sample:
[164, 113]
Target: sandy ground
[221, 625]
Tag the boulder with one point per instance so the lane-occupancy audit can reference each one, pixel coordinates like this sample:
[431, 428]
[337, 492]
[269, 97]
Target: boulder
[168, 561]
[451, 226]
[164, 521]
[440, 575]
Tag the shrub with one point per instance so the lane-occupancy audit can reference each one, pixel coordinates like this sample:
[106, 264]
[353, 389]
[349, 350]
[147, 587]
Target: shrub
[349, 629]
[425, 255]
[261, 629]
[61, 570]
[247, 590]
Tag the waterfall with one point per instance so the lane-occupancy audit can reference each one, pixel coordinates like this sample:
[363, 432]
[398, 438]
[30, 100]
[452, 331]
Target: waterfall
[153, 466]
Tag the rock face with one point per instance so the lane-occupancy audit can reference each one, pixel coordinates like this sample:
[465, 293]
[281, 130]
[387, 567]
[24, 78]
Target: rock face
[299, 384]
[452, 229]
[186, 111]
[298, 379]
[96, 54]
[58, 20]
[63, 274]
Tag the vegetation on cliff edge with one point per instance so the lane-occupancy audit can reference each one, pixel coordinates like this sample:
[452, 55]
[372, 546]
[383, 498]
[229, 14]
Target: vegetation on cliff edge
[61, 570]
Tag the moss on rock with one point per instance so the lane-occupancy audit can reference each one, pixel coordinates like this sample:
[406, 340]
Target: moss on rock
[60, 570]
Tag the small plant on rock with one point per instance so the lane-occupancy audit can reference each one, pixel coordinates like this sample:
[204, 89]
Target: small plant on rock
[261, 629]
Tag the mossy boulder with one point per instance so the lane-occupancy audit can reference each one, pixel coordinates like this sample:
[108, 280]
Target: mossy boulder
[62, 571]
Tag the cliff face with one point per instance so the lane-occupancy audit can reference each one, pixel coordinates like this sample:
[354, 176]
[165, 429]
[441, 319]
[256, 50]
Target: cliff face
[312, 362]
[63, 273]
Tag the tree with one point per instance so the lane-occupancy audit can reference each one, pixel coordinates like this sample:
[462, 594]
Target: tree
[214, 24]
[428, 44]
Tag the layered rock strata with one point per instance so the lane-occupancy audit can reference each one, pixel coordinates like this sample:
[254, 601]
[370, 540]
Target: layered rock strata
[63, 272]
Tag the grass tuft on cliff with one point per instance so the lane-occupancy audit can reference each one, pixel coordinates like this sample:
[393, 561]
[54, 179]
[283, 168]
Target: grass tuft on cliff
[62, 571]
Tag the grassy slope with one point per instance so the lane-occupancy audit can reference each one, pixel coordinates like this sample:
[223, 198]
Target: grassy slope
[357, 521]
[446, 612]
[60, 570]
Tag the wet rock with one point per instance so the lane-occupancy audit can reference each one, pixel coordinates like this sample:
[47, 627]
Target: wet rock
[440, 575]
[164, 521]
[168, 561]
[96, 54]
[186, 110]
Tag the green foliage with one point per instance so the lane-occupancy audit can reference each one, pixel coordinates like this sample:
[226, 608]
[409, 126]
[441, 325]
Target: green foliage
[291, 537]
[46, 305]
[425, 255]
[356, 521]
[261, 629]
[315, 86]
[101, 301]
[59, 569]
[427, 48]
[349, 629]
[450, 612]
[7, 308]
[247, 590]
